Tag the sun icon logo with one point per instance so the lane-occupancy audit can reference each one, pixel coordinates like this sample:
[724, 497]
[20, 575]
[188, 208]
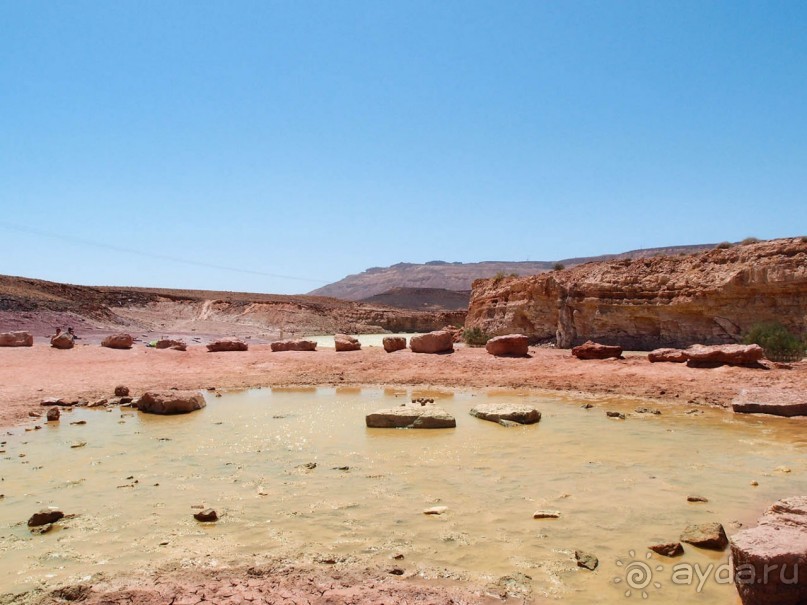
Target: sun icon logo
[638, 576]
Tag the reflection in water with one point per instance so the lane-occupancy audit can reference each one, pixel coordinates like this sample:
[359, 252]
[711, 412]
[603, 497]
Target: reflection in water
[620, 485]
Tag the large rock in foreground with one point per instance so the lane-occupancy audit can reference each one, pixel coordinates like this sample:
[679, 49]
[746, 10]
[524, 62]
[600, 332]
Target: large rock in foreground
[294, 345]
[172, 402]
[701, 356]
[411, 417]
[770, 560]
[511, 344]
[227, 345]
[595, 350]
[344, 342]
[118, 341]
[770, 400]
[62, 341]
[394, 343]
[16, 339]
[510, 412]
[440, 341]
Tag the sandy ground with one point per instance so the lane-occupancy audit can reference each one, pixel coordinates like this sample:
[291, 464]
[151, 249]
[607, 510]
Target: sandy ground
[89, 371]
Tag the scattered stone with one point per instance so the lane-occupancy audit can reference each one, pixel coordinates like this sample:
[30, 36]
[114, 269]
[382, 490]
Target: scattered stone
[771, 400]
[293, 345]
[754, 483]
[394, 343]
[512, 412]
[121, 391]
[782, 469]
[619, 415]
[98, 404]
[227, 345]
[41, 529]
[440, 341]
[53, 414]
[587, 406]
[546, 514]
[411, 417]
[668, 549]
[78, 444]
[435, 510]
[707, 535]
[118, 341]
[57, 401]
[341, 468]
[45, 517]
[308, 466]
[398, 557]
[648, 411]
[701, 356]
[423, 400]
[769, 559]
[16, 339]
[586, 560]
[697, 499]
[33, 414]
[667, 355]
[396, 571]
[344, 342]
[62, 341]
[175, 402]
[595, 350]
[515, 345]
[206, 516]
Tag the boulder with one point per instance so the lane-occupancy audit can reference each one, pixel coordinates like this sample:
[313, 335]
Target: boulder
[62, 341]
[669, 355]
[344, 342]
[227, 345]
[118, 341]
[440, 341]
[770, 560]
[394, 343]
[121, 391]
[411, 417]
[511, 344]
[294, 345]
[770, 400]
[508, 412]
[45, 517]
[167, 343]
[702, 356]
[16, 339]
[706, 535]
[595, 350]
[171, 402]
[53, 414]
[668, 549]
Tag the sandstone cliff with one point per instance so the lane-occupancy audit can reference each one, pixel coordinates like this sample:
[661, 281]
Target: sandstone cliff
[667, 301]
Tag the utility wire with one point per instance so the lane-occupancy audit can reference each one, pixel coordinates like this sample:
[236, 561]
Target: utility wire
[173, 259]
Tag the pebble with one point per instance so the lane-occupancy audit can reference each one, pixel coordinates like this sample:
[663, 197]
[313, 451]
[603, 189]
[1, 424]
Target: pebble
[206, 516]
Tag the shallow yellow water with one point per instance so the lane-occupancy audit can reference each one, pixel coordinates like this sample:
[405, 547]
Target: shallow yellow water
[619, 485]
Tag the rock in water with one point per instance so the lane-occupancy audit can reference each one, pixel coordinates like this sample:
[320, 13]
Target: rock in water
[411, 417]
[586, 560]
[668, 355]
[595, 350]
[770, 560]
[16, 339]
[294, 345]
[206, 516]
[227, 345]
[441, 341]
[171, 402]
[701, 356]
[45, 517]
[668, 549]
[512, 412]
[516, 345]
[394, 343]
[344, 342]
[118, 341]
[53, 414]
[771, 400]
[707, 535]
[62, 341]
[121, 391]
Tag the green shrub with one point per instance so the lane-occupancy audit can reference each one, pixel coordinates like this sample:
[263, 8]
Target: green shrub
[750, 240]
[558, 267]
[475, 337]
[779, 343]
[724, 245]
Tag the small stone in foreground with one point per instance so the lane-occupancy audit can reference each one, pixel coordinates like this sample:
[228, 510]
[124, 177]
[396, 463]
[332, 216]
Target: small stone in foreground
[586, 560]
[668, 549]
[619, 415]
[711, 536]
[45, 517]
[697, 499]
[206, 516]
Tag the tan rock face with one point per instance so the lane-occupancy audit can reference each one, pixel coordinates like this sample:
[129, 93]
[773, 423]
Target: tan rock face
[118, 341]
[511, 344]
[294, 345]
[16, 339]
[712, 297]
[434, 342]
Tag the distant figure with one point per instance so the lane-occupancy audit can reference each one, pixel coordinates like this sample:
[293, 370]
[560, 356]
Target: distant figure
[73, 334]
[58, 331]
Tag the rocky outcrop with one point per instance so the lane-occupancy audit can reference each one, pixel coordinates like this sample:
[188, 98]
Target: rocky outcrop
[434, 342]
[344, 342]
[227, 345]
[770, 560]
[595, 350]
[700, 356]
[62, 341]
[16, 339]
[118, 341]
[520, 413]
[712, 297]
[771, 400]
[294, 345]
[394, 343]
[411, 417]
[172, 402]
[516, 345]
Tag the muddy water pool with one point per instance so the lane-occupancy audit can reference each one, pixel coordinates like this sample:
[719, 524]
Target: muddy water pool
[619, 485]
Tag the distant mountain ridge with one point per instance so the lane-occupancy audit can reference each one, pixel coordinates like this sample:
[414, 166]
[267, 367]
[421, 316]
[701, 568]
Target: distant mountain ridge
[443, 275]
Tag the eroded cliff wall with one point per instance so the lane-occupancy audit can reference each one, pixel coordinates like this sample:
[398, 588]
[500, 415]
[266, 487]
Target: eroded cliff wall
[711, 297]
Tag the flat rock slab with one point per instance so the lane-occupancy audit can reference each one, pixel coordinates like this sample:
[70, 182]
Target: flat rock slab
[227, 345]
[16, 339]
[511, 412]
[411, 417]
[293, 345]
[595, 350]
[667, 355]
[775, 401]
[172, 402]
[711, 536]
[516, 345]
[777, 544]
[702, 356]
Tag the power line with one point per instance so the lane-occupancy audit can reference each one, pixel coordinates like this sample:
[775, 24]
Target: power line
[164, 257]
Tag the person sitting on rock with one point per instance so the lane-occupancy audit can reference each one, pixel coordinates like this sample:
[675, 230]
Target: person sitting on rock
[73, 334]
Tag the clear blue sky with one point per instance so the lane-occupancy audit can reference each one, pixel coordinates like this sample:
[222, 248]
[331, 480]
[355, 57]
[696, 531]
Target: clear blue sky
[316, 139]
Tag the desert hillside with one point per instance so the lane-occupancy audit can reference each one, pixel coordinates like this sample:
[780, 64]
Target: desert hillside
[709, 297]
[460, 276]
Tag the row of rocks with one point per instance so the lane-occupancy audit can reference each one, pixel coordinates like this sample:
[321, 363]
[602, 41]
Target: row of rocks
[429, 416]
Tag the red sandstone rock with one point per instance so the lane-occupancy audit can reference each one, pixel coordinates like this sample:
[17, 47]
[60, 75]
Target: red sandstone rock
[595, 350]
[171, 402]
[394, 343]
[671, 355]
[227, 345]
[62, 341]
[699, 356]
[344, 342]
[294, 345]
[711, 536]
[16, 339]
[769, 560]
[118, 341]
[441, 341]
[167, 343]
[511, 344]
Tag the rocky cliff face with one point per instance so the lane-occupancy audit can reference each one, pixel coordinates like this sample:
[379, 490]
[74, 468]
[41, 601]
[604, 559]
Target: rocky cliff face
[667, 301]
